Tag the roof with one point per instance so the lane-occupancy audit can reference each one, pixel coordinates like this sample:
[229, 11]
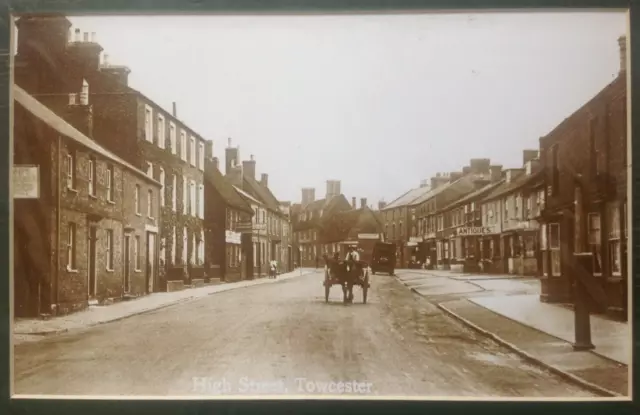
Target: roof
[473, 195]
[512, 186]
[460, 188]
[43, 113]
[247, 196]
[263, 194]
[409, 198]
[344, 224]
[214, 177]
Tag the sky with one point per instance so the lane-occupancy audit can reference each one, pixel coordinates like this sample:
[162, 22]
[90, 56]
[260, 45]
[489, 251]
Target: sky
[379, 102]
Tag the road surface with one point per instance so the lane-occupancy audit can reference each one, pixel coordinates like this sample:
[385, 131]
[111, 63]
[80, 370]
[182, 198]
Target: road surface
[284, 339]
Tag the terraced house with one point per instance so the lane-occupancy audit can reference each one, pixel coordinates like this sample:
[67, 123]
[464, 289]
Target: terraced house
[85, 220]
[307, 222]
[53, 64]
[585, 168]
[270, 225]
[509, 241]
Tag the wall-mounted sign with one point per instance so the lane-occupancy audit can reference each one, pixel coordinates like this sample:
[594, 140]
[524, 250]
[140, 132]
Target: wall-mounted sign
[25, 182]
[476, 231]
[416, 239]
[412, 244]
[231, 237]
[368, 236]
[431, 235]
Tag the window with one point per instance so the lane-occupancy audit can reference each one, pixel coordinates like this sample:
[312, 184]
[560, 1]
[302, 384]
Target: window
[201, 248]
[162, 187]
[185, 197]
[137, 199]
[544, 247]
[615, 254]
[71, 170]
[148, 124]
[136, 254]
[192, 151]
[71, 246]
[555, 171]
[183, 145]
[163, 251]
[110, 183]
[193, 203]
[92, 176]
[172, 137]
[201, 156]
[554, 247]
[161, 132]
[595, 242]
[201, 201]
[578, 243]
[109, 240]
[185, 247]
[150, 203]
[174, 189]
[174, 242]
[194, 248]
[149, 169]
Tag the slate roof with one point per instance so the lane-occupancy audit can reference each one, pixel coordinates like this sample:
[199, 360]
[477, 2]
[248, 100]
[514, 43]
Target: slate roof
[409, 198]
[506, 188]
[478, 194]
[263, 194]
[247, 196]
[43, 113]
[228, 193]
[457, 188]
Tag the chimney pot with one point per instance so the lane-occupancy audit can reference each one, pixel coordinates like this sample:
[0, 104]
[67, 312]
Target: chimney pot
[622, 43]
[85, 36]
[363, 202]
[353, 202]
[77, 35]
[216, 163]
[72, 99]
[229, 142]
[251, 157]
[264, 179]
[93, 37]
[174, 109]
[106, 59]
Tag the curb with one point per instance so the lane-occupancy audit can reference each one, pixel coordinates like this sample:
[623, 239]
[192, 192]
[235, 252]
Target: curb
[567, 376]
[44, 334]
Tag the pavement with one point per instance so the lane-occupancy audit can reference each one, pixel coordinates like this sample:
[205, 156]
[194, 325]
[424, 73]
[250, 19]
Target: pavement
[507, 309]
[34, 329]
[283, 340]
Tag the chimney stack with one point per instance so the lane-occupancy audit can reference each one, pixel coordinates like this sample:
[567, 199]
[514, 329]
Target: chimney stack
[231, 157]
[382, 204]
[363, 202]
[249, 167]
[528, 155]
[496, 173]
[479, 166]
[466, 170]
[353, 202]
[308, 196]
[622, 43]
[333, 188]
[48, 32]
[264, 179]
[455, 175]
[216, 163]
[174, 111]
[424, 183]
[208, 149]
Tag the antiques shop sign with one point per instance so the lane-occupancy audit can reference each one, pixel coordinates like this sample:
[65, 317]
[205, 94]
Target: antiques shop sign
[475, 231]
[25, 182]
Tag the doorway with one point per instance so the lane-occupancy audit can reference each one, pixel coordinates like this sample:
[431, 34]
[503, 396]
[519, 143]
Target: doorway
[127, 264]
[151, 261]
[91, 254]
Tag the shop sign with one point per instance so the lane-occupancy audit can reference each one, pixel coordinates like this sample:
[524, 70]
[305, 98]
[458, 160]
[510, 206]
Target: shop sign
[416, 239]
[368, 236]
[412, 244]
[231, 237]
[431, 235]
[476, 231]
[25, 182]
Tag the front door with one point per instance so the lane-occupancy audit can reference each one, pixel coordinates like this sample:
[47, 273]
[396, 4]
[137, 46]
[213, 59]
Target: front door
[91, 255]
[151, 261]
[127, 265]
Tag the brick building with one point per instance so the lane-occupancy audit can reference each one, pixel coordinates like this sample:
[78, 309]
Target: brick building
[308, 220]
[271, 225]
[51, 64]
[584, 160]
[510, 231]
[90, 236]
[399, 218]
[227, 250]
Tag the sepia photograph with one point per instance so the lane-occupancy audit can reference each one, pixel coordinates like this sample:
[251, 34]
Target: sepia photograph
[412, 206]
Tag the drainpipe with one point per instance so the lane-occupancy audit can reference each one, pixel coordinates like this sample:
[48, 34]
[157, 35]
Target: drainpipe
[58, 219]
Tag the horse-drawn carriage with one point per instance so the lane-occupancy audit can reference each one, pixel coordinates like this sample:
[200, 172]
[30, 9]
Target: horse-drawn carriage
[346, 274]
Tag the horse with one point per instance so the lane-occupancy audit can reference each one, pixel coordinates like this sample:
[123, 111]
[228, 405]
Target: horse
[346, 272]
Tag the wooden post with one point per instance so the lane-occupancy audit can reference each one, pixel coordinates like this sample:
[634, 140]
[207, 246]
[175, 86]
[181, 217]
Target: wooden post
[583, 269]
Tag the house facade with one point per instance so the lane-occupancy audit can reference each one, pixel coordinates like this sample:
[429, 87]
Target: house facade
[584, 161]
[51, 64]
[90, 233]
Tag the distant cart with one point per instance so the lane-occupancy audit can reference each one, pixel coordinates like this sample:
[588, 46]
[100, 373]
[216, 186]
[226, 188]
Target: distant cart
[383, 258]
[347, 274]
